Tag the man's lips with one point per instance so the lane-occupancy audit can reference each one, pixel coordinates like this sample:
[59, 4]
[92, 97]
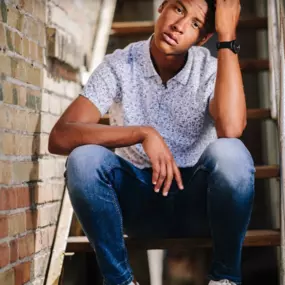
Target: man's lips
[171, 40]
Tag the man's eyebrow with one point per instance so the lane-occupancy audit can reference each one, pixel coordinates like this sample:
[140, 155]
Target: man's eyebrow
[180, 3]
[183, 6]
[199, 20]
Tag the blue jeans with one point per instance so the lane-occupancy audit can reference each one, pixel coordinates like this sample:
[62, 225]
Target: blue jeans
[111, 196]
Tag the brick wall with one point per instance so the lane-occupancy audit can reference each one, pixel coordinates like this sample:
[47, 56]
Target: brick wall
[43, 46]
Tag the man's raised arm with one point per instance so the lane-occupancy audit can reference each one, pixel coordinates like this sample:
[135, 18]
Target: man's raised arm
[228, 107]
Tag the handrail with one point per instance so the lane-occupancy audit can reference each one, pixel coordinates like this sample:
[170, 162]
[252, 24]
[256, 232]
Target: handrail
[273, 46]
[280, 4]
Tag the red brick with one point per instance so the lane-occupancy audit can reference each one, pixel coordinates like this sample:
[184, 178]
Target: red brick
[23, 197]
[3, 226]
[31, 220]
[16, 224]
[8, 199]
[14, 250]
[7, 277]
[22, 273]
[4, 254]
[26, 245]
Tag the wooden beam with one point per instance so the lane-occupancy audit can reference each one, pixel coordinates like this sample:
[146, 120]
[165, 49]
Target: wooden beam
[147, 27]
[267, 171]
[253, 238]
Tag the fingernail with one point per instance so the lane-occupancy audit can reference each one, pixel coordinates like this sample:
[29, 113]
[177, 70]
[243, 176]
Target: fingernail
[165, 194]
[154, 183]
[156, 190]
[181, 188]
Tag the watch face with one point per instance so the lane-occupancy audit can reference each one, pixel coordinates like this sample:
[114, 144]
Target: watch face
[235, 47]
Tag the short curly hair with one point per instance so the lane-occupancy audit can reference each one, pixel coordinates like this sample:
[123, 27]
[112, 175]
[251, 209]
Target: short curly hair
[210, 22]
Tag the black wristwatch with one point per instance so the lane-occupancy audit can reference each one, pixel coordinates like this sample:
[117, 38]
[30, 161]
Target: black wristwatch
[233, 46]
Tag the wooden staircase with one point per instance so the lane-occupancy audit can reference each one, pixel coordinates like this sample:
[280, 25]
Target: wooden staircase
[254, 238]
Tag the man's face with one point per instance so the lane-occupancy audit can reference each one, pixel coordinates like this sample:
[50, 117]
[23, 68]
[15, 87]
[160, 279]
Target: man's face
[180, 25]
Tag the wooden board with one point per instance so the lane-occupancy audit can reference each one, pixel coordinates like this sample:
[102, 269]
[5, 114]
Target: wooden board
[253, 238]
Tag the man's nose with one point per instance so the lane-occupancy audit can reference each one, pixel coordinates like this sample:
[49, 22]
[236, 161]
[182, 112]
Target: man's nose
[179, 26]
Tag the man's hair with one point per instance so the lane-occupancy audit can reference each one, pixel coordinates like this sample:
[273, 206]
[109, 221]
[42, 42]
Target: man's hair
[210, 20]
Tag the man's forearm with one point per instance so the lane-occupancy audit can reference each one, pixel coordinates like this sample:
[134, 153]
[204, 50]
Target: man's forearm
[229, 102]
[63, 139]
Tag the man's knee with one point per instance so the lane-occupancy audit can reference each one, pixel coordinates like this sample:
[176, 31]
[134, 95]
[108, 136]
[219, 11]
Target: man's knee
[85, 160]
[230, 161]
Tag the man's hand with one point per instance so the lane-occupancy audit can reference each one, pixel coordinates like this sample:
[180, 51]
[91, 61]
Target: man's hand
[163, 164]
[227, 17]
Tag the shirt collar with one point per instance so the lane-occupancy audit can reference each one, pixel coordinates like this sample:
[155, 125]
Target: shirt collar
[149, 71]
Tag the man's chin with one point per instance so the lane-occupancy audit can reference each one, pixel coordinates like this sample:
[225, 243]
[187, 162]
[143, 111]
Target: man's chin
[166, 48]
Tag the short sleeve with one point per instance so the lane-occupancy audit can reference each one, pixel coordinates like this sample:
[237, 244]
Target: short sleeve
[102, 88]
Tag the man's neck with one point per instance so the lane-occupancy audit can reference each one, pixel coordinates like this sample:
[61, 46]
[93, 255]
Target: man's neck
[167, 66]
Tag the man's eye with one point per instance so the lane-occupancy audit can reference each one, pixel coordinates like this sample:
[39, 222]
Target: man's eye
[179, 10]
[195, 25]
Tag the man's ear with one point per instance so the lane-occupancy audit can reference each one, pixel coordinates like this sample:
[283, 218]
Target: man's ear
[204, 39]
[161, 7]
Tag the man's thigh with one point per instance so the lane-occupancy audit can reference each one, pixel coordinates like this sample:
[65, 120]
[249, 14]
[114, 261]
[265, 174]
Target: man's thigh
[190, 214]
[145, 213]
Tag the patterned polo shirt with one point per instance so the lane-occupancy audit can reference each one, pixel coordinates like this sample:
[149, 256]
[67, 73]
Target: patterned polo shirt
[127, 85]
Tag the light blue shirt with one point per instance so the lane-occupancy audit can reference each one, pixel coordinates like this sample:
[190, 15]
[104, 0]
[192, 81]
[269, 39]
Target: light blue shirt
[127, 85]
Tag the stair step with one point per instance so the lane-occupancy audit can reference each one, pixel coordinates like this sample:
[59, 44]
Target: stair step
[253, 65]
[147, 27]
[258, 114]
[267, 171]
[253, 238]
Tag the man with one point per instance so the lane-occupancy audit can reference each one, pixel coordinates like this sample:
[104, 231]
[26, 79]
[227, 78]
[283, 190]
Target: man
[179, 169]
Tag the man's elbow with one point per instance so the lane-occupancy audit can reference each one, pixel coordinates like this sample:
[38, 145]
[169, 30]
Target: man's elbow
[231, 130]
[56, 143]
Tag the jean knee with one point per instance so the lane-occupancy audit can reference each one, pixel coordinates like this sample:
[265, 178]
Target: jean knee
[231, 161]
[84, 162]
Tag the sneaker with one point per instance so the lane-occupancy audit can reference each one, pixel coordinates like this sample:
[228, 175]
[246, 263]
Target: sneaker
[222, 282]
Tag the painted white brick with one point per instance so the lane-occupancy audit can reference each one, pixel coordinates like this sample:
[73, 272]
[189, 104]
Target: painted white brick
[45, 102]
[61, 18]
[44, 144]
[39, 266]
[54, 105]
[53, 85]
[64, 103]
[46, 168]
[48, 122]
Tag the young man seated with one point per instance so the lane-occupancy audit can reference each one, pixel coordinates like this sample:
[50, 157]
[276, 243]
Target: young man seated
[178, 169]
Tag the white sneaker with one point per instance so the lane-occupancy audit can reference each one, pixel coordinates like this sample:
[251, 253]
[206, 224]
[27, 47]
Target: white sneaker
[222, 282]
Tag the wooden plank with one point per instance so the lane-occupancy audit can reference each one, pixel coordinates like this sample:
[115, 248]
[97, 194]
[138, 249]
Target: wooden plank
[147, 27]
[60, 242]
[253, 238]
[254, 114]
[267, 171]
[254, 65]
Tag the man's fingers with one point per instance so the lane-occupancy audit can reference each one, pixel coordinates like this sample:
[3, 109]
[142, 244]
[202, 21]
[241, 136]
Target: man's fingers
[177, 176]
[169, 179]
[161, 178]
[155, 172]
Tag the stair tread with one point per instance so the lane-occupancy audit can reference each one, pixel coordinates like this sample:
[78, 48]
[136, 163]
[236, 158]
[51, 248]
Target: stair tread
[253, 238]
[147, 27]
[267, 171]
[259, 113]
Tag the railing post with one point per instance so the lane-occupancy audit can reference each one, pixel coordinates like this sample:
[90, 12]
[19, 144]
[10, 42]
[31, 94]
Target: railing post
[281, 11]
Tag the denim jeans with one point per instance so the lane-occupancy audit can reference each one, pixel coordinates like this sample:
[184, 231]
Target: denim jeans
[112, 197]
